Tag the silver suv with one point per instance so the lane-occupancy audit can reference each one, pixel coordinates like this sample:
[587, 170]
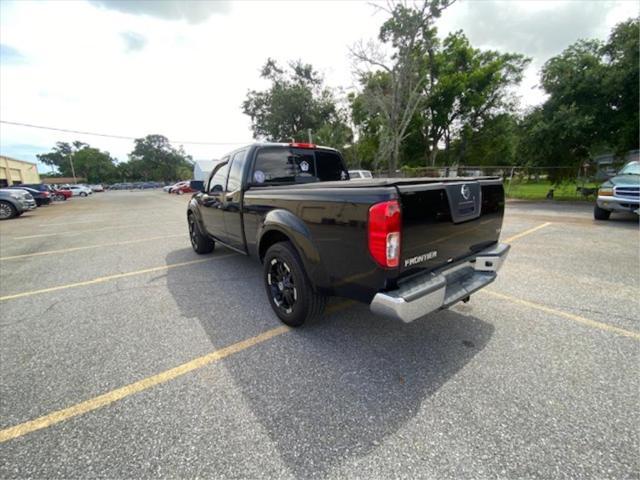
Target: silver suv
[14, 203]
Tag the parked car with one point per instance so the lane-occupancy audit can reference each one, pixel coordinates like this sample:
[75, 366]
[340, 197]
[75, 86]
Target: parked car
[620, 193]
[355, 174]
[79, 190]
[14, 202]
[60, 194]
[167, 188]
[182, 187]
[96, 188]
[378, 241]
[55, 193]
[41, 197]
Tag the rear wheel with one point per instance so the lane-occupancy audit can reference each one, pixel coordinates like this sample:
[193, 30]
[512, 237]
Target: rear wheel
[7, 210]
[601, 213]
[201, 243]
[83, 194]
[290, 292]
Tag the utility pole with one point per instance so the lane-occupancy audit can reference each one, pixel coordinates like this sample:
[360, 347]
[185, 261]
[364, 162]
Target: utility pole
[310, 136]
[73, 170]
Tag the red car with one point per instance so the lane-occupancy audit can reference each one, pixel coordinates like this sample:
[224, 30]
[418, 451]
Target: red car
[182, 187]
[61, 194]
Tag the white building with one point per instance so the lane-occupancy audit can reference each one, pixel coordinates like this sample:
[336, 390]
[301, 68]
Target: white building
[202, 169]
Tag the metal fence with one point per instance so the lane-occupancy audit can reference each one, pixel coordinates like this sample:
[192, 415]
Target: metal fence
[560, 183]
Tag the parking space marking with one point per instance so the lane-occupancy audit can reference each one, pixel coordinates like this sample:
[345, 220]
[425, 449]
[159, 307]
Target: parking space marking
[527, 232]
[75, 249]
[111, 277]
[559, 313]
[80, 232]
[136, 387]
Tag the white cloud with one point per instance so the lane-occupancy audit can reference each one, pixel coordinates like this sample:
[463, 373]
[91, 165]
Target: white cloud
[190, 78]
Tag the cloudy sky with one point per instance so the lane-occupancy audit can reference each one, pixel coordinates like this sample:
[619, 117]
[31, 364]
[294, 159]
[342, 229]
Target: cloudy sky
[182, 68]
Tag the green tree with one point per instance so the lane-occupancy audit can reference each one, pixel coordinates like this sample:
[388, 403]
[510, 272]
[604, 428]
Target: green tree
[154, 158]
[393, 84]
[592, 104]
[80, 160]
[296, 101]
[466, 87]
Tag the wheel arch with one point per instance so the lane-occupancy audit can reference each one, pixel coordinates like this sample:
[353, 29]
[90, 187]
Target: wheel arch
[282, 225]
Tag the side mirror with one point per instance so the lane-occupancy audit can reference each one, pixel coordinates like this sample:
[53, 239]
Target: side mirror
[197, 185]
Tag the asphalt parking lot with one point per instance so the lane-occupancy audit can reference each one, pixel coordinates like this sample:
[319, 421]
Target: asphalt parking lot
[124, 354]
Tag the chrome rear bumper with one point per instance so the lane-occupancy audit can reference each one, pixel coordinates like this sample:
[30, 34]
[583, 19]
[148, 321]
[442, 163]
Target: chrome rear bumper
[442, 288]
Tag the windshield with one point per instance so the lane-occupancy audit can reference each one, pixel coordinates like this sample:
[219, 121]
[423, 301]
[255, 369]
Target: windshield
[631, 168]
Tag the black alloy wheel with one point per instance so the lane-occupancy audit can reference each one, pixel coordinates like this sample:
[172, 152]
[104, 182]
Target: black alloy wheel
[200, 243]
[282, 285]
[292, 296]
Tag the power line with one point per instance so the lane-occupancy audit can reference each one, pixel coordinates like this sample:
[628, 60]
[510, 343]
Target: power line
[107, 135]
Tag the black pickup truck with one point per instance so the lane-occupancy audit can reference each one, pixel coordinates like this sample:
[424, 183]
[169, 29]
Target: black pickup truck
[407, 247]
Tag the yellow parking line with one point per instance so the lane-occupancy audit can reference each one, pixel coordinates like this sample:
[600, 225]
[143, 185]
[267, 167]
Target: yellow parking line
[527, 232]
[75, 249]
[136, 387]
[110, 277]
[576, 318]
[79, 232]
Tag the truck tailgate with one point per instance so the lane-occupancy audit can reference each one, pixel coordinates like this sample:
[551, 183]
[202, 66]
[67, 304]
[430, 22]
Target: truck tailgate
[443, 222]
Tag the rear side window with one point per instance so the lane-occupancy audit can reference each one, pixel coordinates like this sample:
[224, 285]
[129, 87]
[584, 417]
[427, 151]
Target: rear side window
[219, 179]
[235, 172]
[296, 165]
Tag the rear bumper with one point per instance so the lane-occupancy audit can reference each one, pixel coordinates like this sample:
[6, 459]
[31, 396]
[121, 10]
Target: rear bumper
[442, 288]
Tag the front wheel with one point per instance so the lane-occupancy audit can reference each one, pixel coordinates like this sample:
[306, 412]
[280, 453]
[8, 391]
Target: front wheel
[7, 211]
[291, 294]
[83, 194]
[601, 213]
[201, 243]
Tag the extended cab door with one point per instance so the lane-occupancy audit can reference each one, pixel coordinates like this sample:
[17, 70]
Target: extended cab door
[232, 202]
[212, 198]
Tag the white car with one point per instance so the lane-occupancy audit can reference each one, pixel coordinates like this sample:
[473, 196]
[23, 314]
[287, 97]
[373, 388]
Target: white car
[79, 190]
[96, 188]
[355, 174]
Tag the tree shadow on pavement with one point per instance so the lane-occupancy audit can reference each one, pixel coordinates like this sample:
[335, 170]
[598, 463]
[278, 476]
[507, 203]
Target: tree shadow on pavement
[334, 390]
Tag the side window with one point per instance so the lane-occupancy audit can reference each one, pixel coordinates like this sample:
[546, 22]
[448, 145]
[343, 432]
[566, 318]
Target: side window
[219, 178]
[235, 172]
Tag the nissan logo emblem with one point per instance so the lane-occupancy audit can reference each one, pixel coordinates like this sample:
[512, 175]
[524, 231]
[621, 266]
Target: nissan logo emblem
[465, 191]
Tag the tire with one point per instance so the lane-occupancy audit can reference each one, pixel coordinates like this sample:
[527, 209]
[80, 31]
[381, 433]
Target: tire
[201, 243]
[83, 194]
[59, 198]
[289, 290]
[7, 210]
[601, 213]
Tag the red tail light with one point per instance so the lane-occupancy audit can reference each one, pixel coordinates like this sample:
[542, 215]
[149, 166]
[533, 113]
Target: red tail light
[302, 145]
[385, 221]
[46, 194]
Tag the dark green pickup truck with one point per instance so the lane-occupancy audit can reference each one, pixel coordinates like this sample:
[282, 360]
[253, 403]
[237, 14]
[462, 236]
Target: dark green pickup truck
[620, 193]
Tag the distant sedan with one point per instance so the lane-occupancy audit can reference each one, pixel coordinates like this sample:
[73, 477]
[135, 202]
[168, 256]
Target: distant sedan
[355, 174]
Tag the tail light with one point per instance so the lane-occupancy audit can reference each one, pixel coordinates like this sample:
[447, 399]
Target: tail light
[385, 221]
[46, 194]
